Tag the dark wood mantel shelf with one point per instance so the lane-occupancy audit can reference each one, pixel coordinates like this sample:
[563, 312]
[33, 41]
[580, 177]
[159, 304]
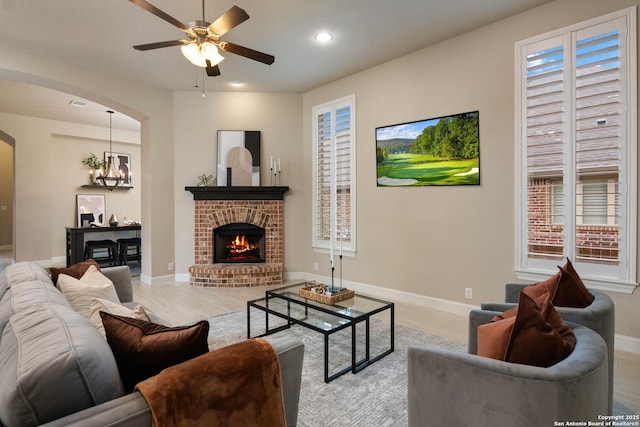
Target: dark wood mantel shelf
[237, 193]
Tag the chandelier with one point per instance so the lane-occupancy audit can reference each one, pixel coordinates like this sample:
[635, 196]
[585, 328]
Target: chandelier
[111, 177]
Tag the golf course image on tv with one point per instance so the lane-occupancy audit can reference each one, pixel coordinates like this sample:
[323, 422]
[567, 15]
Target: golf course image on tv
[439, 151]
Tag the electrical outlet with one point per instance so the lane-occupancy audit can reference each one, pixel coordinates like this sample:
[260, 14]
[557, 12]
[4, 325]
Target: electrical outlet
[170, 266]
[468, 293]
[315, 266]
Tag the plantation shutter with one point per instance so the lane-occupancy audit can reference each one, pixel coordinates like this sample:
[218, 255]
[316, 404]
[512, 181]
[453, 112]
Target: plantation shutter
[545, 119]
[343, 172]
[598, 105]
[323, 176]
[578, 150]
[334, 145]
[545, 93]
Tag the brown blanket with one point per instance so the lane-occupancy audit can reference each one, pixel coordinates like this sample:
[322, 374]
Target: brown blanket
[237, 385]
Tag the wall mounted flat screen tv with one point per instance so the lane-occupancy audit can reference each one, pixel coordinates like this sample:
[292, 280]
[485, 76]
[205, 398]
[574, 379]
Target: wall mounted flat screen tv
[439, 151]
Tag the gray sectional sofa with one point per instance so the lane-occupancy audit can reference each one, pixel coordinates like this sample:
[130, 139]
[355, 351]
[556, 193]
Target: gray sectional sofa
[56, 368]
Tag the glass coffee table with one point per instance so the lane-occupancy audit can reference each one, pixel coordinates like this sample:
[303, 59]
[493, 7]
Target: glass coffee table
[285, 303]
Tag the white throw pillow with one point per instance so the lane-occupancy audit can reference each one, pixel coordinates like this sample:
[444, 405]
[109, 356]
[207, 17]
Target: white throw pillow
[92, 284]
[100, 304]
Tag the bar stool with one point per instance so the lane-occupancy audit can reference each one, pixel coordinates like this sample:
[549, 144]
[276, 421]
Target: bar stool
[123, 249]
[93, 246]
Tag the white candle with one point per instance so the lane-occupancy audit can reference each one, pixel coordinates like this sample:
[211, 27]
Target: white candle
[271, 162]
[331, 250]
[279, 165]
[340, 238]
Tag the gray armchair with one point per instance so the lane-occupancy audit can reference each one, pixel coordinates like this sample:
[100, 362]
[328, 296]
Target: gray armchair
[599, 317]
[459, 389]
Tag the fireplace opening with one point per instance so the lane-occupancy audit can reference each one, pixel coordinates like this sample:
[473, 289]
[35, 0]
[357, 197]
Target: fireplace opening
[238, 242]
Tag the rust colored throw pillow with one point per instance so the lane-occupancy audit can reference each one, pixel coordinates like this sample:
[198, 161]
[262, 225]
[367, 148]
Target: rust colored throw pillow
[142, 349]
[531, 334]
[566, 288]
[76, 270]
[572, 291]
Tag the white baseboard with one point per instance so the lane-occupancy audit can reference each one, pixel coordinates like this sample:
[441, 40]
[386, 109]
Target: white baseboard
[47, 263]
[59, 261]
[622, 342]
[627, 343]
[448, 306]
[183, 278]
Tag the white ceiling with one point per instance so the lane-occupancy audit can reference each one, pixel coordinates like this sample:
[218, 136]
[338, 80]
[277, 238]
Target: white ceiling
[98, 35]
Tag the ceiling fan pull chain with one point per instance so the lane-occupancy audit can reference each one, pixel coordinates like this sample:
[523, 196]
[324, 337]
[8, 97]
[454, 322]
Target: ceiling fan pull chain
[203, 79]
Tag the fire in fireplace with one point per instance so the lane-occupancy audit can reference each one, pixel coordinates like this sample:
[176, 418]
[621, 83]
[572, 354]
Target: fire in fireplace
[238, 242]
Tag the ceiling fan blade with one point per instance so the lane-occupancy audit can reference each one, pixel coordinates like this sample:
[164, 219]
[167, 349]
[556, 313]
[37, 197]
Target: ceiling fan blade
[158, 45]
[212, 71]
[247, 53]
[231, 18]
[160, 14]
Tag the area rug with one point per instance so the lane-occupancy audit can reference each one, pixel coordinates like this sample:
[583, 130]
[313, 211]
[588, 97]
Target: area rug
[375, 396]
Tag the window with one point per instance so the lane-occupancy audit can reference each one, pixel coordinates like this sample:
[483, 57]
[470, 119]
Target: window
[577, 158]
[334, 175]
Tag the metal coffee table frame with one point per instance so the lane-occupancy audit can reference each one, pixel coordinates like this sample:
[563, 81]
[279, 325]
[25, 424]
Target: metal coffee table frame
[342, 315]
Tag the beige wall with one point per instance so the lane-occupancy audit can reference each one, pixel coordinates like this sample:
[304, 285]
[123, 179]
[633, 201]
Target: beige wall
[49, 174]
[6, 192]
[436, 241]
[279, 119]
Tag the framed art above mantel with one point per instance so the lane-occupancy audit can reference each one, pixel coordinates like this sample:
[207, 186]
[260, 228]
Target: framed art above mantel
[238, 158]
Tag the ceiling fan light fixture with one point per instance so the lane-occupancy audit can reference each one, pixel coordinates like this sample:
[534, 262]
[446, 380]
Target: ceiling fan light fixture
[209, 51]
[191, 51]
[198, 54]
[204, 38]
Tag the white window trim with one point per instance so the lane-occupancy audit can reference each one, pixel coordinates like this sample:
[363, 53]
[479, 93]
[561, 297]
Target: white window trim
[525, 269]
[324, 246]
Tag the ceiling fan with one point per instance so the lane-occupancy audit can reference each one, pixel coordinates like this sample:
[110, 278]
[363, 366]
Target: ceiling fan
[201, 47]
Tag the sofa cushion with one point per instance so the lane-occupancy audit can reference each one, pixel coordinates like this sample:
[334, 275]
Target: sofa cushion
[53, 363]
[76, 270]
[4, 284]
[100, 304]
[92, 284]
[566, 288]
[143, 349]
[23, 295]
[25, 272]
[532, 333]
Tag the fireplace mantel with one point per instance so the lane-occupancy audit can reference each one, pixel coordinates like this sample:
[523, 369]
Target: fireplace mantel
[237, 193]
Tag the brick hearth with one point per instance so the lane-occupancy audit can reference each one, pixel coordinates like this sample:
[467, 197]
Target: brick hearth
[210, 214]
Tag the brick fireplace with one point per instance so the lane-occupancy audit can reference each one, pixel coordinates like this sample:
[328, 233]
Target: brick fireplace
[216, 207]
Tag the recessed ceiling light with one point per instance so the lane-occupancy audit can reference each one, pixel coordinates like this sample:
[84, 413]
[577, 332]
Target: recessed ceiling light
[237, 83]
[78, 103]
[323, 37]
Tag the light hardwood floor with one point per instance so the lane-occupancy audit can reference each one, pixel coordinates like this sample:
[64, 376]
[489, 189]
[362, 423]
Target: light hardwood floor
[181, 303]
